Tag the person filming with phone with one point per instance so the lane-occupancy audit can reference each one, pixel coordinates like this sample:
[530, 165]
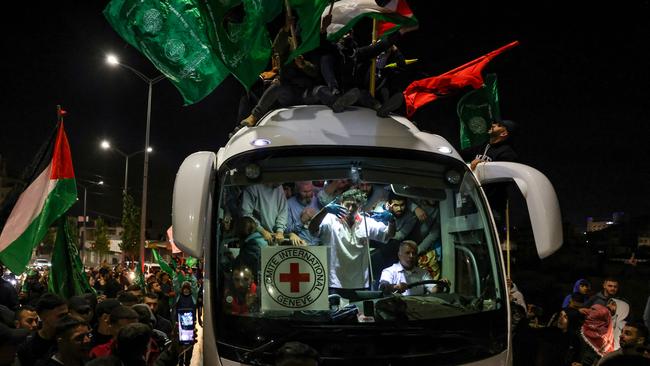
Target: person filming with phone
[185, 310]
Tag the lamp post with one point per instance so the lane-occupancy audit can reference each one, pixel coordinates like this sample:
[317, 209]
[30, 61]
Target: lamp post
[112, 60]
[83, 225]
[106, 145]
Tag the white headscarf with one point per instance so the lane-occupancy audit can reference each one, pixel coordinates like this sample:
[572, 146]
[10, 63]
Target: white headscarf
[618, 320]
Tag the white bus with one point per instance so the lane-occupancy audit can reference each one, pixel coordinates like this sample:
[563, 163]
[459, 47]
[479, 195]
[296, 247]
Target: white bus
[467, 324]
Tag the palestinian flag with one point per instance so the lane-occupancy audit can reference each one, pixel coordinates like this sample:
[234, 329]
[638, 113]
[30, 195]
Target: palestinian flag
[48, 197]
[347, 13]
[400, 7]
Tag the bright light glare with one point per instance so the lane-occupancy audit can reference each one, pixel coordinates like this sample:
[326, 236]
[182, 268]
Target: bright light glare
[149, 149]
[100, 182]
[106, 145]
[112, 60]
[261, 142]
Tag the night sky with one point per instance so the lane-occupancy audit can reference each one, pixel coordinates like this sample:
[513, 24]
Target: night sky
[578, 86]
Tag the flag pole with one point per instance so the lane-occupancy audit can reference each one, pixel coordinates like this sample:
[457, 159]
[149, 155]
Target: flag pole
[373, 63]
[294, 43]
[508, 237]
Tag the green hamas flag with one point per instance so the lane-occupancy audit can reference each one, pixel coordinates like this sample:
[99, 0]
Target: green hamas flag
[309, 14]
[163, 265]
[476, 111]
[67, 277]
[173, 35]
[237, 30]
[139, 277]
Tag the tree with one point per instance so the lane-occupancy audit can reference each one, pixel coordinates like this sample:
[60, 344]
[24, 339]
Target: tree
[131, 224]
[102, 244]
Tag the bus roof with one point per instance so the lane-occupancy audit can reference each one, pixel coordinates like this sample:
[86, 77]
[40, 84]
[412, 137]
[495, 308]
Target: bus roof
[318, 125]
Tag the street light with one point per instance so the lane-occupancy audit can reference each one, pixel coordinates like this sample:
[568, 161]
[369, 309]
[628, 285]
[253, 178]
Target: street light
[99, 183]
[113, 60]
[106, 145]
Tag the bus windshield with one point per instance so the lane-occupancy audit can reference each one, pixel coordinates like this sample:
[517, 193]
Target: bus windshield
[356, 254]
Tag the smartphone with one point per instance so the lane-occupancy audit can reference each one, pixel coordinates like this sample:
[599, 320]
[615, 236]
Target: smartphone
[185, 325]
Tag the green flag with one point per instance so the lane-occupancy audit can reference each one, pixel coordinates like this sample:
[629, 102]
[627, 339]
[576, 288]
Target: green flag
[173, 35]
[163, 265]
[476, 111]
[238, 34]
[309, 14]
[191, 262]
[139, 277]
[67, 277]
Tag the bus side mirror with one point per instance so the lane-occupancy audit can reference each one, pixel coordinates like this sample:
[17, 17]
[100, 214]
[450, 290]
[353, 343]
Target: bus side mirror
[192, 202]
[543, 206]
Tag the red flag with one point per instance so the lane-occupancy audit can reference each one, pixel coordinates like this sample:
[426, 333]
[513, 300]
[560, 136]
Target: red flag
[398, 6]
[421, 92]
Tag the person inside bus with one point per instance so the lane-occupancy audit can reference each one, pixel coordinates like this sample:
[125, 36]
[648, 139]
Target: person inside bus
[302, 206]
[376, 194]
[405, 222]
[346, 233]
[396, 278]
[267, 205]
[252, 243]
[332, 189]
[240, 295]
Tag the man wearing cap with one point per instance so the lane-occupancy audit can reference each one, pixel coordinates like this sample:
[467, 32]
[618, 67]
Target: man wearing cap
[80, 307]
[119, 318]
[102, 332]
[498, 148]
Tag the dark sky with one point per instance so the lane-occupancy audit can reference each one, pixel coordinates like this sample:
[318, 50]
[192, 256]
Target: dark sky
[578, 86]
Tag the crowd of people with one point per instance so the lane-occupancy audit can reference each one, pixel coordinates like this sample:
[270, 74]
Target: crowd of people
[591, 328]
[125, 320]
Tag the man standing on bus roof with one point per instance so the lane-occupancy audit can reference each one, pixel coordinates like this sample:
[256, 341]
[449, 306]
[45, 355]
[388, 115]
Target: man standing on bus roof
[347, 233]
[498, 148]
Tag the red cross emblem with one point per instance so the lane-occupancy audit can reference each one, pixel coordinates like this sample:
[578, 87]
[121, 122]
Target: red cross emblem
[294, 277]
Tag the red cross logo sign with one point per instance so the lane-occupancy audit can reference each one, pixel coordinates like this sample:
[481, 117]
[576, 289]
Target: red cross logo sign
[295, 278]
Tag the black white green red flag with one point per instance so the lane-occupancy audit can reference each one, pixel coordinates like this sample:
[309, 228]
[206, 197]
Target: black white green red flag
[46, 199]
[347, 13]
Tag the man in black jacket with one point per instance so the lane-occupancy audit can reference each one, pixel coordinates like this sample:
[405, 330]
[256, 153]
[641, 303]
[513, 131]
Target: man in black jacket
[498, 148]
